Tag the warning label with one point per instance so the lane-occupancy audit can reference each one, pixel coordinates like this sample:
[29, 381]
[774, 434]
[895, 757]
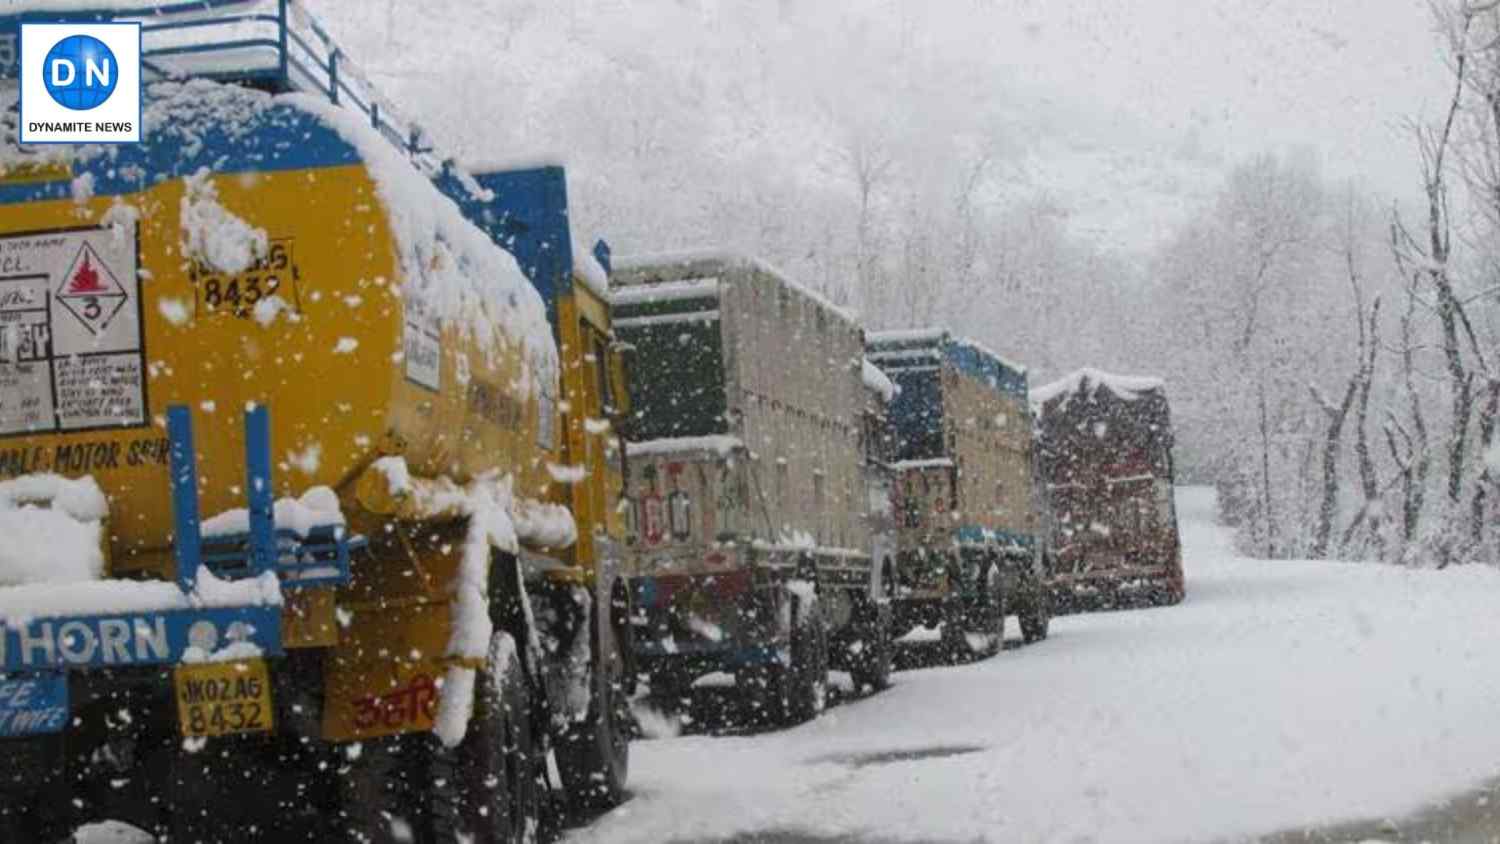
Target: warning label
[71, 353]
[423, 344]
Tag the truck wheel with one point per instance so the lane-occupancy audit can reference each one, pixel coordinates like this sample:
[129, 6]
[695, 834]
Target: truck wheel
[33, 818]
[871, 665]
[976, 627]
[593, 757]
[1036, 616]
[792, 692]
[33, 802]
[808, 674]
[670, 688]
[499, 797]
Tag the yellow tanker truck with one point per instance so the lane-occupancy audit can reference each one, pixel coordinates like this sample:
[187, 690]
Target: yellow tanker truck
[307, 479]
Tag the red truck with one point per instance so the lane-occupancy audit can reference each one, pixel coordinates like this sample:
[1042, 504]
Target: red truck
[1106, 457]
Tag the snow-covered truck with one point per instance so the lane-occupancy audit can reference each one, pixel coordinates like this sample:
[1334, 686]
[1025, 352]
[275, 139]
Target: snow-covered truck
[971, 547]
[371, 608]
[749, 539]
[1106, 454]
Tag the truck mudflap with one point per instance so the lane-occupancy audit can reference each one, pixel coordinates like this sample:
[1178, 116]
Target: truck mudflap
[215, 626]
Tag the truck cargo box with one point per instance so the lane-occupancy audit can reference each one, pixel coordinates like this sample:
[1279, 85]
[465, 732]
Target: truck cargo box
[746, 477]
[967, 502]
[1106, 452]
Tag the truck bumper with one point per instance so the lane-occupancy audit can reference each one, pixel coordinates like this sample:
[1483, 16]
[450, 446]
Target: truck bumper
[697, 623]
[1124, 588]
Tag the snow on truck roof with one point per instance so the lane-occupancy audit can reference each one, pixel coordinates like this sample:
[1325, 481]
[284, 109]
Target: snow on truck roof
[656, 269]
[877, 381]
[936, 337]
[903, 349]
[1127, 387]
[482, 273]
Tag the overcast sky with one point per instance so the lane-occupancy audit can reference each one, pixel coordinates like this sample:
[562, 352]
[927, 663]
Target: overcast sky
[1126, 112]
[1216, 81]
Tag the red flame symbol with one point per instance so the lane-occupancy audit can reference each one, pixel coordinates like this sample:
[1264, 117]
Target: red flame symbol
[86, 280]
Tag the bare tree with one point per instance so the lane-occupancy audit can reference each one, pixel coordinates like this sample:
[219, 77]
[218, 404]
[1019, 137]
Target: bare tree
[1409, 448]
[1358, 387]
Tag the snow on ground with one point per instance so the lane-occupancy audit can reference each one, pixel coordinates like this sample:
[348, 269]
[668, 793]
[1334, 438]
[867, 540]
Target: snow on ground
[1278, 695]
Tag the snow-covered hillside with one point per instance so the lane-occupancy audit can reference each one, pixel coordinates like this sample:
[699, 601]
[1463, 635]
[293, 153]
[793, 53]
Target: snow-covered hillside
[1278, 695]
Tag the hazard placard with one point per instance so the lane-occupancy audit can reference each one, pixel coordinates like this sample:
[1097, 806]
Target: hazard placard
[72, 356]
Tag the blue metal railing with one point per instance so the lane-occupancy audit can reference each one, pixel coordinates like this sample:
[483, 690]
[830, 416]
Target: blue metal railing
[320, 557]
[275, 43]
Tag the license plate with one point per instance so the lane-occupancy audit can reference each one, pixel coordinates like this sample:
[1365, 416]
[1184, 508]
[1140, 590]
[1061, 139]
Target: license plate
[33, 704]
[224, 698]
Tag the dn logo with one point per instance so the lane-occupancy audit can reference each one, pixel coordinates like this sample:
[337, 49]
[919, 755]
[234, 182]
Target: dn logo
[80, 72]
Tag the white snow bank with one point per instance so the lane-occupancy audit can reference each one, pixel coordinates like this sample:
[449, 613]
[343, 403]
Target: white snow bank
[52, 530]
[211, 234]
[721, 444]
[1280, 695]
[19, 605]
[317, 508]
[877, 382]
[1127, 387]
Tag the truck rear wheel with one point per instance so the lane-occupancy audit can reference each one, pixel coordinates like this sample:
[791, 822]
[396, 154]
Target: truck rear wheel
[791, 692]
[498, 794]
[1036, 616]
[593, 756]
[870, 663]
[975, 626]
[805, 681]
[25, 823]
[33, 807]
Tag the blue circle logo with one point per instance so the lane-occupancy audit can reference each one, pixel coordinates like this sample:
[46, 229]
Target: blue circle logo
[80, 72]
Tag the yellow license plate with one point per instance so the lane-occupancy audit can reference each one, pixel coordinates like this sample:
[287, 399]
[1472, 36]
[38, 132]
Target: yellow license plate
[224, 698]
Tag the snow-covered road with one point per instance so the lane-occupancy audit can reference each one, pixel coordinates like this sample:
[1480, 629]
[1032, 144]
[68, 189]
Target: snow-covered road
[1279, 695]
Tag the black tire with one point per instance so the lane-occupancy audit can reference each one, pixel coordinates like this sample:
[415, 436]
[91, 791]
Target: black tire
[593, 757]
[411, 789]
[974, 627]
[671, 688]
[31, 818]
[497, 766]
[295, 801]
[808, 672]
[33, 800]
[870, 664]
[797, 692]
[1036, 616]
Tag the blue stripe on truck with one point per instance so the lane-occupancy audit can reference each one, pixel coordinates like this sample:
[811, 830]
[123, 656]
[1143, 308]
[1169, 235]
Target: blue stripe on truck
[256, 146]
[135, 639]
